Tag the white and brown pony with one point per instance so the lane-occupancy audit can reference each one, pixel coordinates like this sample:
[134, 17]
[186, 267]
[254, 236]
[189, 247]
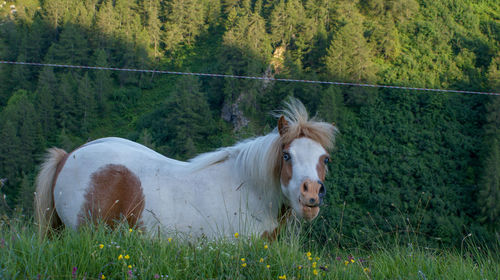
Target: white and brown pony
[246, 188]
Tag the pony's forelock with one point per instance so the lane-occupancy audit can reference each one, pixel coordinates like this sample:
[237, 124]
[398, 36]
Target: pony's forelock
[299, 125]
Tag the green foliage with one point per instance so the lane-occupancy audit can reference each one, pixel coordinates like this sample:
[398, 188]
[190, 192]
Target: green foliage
[96, 251]
[432, 158]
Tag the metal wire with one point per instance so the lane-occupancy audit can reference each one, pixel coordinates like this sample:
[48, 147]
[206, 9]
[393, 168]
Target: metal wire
[265, 78]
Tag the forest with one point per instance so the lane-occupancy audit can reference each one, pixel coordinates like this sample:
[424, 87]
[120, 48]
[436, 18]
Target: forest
[405, 161]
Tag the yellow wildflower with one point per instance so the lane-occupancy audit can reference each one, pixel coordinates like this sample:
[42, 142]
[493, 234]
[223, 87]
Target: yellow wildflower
[103, 277]
[352, 260]
[169, 239]
[346, 263]
[243, 259]
[308, 254]
[366, 269]
[282, 277]
[314, 265]
[317, 258]
[261, 260]
[130, 230]
[120, 257]
[265, 246]
[315, 272]
[129, 266]
[244, 264]
[299, 267]
[127, 257]
[236, 235]
[268, 266]
[309, 258]
[101, 246]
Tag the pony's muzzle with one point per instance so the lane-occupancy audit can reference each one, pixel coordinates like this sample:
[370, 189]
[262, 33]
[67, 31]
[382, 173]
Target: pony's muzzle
[312, 193]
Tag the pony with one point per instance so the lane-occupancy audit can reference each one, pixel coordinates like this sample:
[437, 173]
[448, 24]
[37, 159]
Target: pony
[250, 188]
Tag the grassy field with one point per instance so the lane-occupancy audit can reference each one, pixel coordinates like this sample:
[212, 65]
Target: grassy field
[98, 253]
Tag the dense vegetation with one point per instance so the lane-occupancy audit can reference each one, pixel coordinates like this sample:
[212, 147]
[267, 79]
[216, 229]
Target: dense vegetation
[98, 253]
[405, 161]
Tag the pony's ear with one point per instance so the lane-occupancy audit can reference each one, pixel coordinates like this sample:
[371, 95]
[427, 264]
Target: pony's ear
[282, 125]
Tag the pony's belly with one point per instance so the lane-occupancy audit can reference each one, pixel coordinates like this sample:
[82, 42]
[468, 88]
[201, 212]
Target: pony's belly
[211, 203]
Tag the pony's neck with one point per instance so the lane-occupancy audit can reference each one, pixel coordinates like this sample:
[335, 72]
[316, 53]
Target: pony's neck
[256, 159]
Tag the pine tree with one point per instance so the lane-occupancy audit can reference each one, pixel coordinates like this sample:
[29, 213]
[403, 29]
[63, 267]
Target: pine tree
[107, 25]
[103, 82]
[55, 11]
[25, 196]
[349, 55]
[184, 115]
[72, 47]
[87, 104]
[21, 74]
[153, 26]
[489, 189]
[185, 21]
[45, 105]
[66, 106]
[287, 22]
[246, 34]
[332, 104]
[9, 150]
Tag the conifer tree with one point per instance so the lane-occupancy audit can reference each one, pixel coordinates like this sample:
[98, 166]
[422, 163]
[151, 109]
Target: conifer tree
[153, 25]
[72, 47]
[87, 104]
[25, 197]
[103, 82]
[489, 189]
[45, 104]
[185, 21]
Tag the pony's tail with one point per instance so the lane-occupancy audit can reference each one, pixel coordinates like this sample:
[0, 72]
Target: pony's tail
[45, 212]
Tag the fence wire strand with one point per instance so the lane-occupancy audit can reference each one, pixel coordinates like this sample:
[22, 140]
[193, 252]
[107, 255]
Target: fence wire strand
[263, 78]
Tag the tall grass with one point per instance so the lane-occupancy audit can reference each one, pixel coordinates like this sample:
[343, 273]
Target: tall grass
[97, 252]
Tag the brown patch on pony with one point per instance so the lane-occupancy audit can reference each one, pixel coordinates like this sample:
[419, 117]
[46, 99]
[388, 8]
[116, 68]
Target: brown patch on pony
[286, 171]
[321, 168]
[115, 193]
[284, 214]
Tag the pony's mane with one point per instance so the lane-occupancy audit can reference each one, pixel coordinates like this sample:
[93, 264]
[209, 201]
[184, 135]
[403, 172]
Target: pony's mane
[254, 158]
[299, 125]
[259, 159]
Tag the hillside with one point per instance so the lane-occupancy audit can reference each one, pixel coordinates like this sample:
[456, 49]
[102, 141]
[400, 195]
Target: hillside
[405, 161]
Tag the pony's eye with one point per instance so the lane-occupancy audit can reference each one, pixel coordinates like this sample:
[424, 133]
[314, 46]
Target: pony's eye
[326, 160]
[286, 156]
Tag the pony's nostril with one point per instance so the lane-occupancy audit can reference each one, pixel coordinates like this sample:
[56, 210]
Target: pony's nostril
[312, 201]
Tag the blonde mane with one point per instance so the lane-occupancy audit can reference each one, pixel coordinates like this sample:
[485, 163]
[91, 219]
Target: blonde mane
[259, 159]
[299, 125]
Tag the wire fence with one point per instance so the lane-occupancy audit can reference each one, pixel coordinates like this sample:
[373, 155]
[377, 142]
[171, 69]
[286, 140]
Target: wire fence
[263, 78]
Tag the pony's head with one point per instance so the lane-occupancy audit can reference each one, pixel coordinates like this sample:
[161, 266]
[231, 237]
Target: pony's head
[302, 159]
